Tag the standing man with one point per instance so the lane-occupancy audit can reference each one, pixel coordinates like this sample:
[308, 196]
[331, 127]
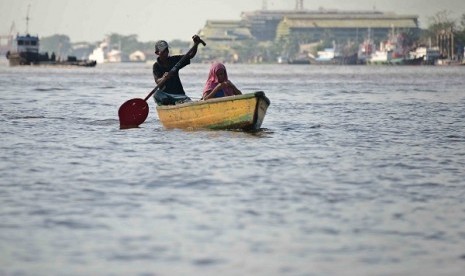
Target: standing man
[171, 90]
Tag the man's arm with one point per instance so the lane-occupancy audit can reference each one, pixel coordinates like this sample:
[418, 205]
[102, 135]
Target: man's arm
[197, 41]
[156, 75]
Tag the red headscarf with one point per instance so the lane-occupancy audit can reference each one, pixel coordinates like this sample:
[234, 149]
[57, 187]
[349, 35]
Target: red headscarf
[212, 80]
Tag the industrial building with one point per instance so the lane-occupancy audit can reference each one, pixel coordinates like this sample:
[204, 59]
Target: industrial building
[345, 26]
[271, 25]
[294, 28]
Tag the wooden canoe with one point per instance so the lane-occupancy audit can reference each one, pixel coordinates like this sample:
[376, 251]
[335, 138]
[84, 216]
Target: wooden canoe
[245, 112]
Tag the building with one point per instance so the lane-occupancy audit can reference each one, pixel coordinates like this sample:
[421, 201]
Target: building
[137, 56]
[225, 30]
[271, 25]
[263, 23]
[292, 28]
[344, 26]
[224, 37]
[6, 43]
[268, 25]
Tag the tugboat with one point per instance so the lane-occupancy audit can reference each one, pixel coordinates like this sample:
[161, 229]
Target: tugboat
[27, 53]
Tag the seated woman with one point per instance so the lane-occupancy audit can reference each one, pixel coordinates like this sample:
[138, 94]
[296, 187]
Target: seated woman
[217, 84]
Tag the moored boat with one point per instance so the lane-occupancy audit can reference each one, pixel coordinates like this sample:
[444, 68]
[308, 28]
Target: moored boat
[299, 59]
[27, 53]
[244, 112]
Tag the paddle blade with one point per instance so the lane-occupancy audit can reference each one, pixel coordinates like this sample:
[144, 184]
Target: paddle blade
[133, 113]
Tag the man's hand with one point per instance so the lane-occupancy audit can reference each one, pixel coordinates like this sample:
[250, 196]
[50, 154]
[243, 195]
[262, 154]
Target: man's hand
[196, 39]
[166, 76]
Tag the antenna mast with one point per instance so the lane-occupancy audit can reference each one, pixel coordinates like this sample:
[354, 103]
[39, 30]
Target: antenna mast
[299, 5]
[27, 19]
[264, 5]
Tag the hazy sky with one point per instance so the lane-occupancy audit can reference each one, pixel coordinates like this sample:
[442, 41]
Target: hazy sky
[91, 20]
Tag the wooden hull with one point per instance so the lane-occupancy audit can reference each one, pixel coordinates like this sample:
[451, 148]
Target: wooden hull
[245, 112]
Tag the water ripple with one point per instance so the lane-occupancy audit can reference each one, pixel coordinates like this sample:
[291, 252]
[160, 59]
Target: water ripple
[356, 166]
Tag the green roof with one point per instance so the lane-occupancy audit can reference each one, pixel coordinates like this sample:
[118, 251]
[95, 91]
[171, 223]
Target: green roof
[352, 23]
[225, 30]
[341, 21]
[385, 20]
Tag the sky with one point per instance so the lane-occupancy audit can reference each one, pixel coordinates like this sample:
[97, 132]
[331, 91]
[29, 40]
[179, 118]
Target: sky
[150, 20]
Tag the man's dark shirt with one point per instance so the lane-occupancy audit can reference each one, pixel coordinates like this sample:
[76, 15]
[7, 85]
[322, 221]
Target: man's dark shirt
[173, 85]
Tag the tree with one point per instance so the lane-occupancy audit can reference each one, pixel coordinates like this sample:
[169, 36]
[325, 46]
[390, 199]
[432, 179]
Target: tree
[247, 51]
[460, 35]
[446, 33]
[441, 20]
[410, 38]
[439, 23]
[125, 44]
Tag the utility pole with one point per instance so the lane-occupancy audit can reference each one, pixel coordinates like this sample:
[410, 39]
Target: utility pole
[445, 40]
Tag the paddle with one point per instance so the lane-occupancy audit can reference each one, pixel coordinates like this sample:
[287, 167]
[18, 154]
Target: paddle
[133, 112]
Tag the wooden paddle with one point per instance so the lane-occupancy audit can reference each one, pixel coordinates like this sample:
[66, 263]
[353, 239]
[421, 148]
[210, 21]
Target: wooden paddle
[133, 112]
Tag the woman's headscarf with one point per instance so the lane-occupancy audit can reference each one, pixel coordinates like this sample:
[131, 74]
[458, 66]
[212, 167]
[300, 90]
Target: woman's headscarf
[212, 80]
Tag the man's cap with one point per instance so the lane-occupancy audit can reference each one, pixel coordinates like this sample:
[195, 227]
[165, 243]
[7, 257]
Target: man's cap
[160, 46]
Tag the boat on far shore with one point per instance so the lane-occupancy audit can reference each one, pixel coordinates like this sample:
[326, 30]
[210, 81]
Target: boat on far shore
[27, 53]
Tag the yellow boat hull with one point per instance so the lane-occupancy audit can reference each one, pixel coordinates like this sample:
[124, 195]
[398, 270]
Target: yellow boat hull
[244, 112]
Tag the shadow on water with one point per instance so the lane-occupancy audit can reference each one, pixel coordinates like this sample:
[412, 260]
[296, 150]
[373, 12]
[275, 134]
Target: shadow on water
[39, 117]
[258, 133]
[105, 122]
[107, 87]
[51, 89]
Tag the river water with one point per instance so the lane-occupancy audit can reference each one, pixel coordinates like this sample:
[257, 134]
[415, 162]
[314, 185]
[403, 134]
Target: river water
[357, 170]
